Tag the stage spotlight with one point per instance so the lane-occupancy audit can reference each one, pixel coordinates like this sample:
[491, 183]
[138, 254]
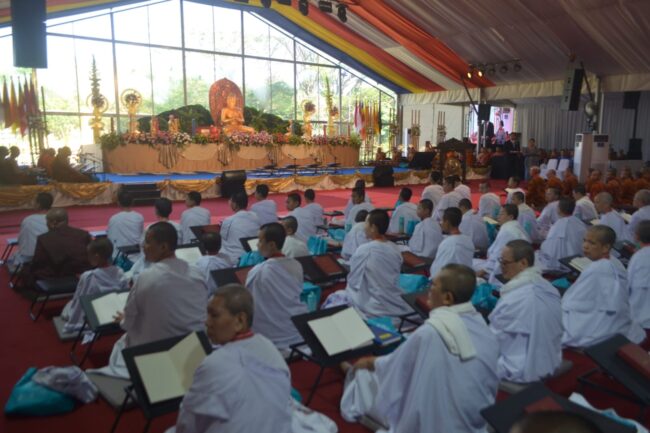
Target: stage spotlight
[303, 7]
[325, 6]
[517, 67]
[469, 74]
[266, 3]
[342, 12]
[480, 72]
[504, 69]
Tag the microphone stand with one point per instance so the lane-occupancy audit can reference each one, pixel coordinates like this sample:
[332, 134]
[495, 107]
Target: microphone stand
[295, 165]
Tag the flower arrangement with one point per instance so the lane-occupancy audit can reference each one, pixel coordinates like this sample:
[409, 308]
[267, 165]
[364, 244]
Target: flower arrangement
[181, 139]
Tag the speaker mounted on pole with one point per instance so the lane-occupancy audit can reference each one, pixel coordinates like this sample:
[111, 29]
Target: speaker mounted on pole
[572, 87]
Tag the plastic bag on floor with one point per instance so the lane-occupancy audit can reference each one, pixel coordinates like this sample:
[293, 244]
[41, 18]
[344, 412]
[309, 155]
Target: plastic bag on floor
[30, 398]
[70, 380]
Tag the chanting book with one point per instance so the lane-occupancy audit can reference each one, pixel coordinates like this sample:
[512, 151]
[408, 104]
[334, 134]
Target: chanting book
[328, 265]
[490, 221]
[107, 306]
[579, 263]
[626, 216]
[411, 260]
[168, 374]
[189, 255]
[342, 331]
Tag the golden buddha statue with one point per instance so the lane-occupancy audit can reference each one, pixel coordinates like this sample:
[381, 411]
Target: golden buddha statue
[232, 117]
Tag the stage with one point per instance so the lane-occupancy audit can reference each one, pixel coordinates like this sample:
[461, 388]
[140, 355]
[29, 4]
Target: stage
[176, 185]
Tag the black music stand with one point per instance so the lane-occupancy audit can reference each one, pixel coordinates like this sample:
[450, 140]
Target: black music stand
[51, 287]
[198, 231]
[246, 243]
[318, 353]
[604, 354]
[230, 275]
[502, 415]
[314, 274]
[421, 313]
[92, 323]
[136, 391]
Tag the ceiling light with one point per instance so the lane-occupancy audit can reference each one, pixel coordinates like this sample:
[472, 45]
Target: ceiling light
[303, 7]
[504, 69]
[480, 72]
[342, 12]
[266, 3]
[325, 6]
[469, 74]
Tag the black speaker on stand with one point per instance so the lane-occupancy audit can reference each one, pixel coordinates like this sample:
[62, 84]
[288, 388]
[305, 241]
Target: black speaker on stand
[382, 175]
[484, 112]
[572, 87]
[232, 181]
[29, 34]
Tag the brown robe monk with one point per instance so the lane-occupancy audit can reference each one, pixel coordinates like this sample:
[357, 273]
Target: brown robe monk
[60, 253]
[536, 191]
[63, 172]
[570, 181]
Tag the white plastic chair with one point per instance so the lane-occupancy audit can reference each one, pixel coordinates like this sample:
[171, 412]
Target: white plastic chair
[563, 165]
[552, 165]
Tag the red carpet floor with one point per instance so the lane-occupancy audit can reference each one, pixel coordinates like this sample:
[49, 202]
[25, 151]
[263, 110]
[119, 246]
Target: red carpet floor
[25, 343]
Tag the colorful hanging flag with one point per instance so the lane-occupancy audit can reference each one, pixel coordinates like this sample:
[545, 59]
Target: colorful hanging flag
[22, 111]
[6, 105]
[14, 107]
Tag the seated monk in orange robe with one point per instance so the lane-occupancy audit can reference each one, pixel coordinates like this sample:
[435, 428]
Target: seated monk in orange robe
[613, 185]
[552, 181]
[628, 186]
[63, 172]
[569, 182]
[594, 184]
[536, 189]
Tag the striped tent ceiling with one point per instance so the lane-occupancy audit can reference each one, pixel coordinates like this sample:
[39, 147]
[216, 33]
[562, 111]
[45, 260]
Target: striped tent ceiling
[415, 46]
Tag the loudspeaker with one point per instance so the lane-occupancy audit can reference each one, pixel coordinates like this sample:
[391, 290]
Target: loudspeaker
[484, 112]
[232, 181]
[572, 87]
[631, 100]
[634, 149]
[29, 35]
[382, 175]
[422, 160]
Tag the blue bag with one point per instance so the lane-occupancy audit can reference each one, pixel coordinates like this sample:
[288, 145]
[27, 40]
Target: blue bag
[123, 262]
[337, 234]
[411, 283]
[316, 245]
[310, 296]
[30, 398]
[410, 227]
[492, 232]
[250, 258]
[561, 283]
[483, 297]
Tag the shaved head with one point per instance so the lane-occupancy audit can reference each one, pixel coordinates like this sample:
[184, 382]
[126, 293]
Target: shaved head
[237, 299]
[642, 197]
[460, 280]
[603, 234]
[605, 197]
[56, 217]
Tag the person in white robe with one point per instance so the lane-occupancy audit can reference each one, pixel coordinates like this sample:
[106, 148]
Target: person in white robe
[212, 260]
[163, 209]
[359, 203]
[463, 190]
[31, 228]
[608, 216]
[549, 214]
[404, 213]
[513, 187]
[641, 201]
[509, 230]
[440, 378]
[373, 281]
[356, 236]
[168, 299]
[585, 208]
[193, 216]
[127, 226]
[527, 319]
[473, 226]
[265, 209]
[434, 192]
[455, 248]
[451, 198]
[103, 278]
[597, 305]
[564, 239]
[638, 276]
[276, 285]
[245, 384]
[293, 246]
[427, 234]
[360, 183]
[527, 217]
[306, 223]
[242, 224]
[489, 204]
[315, 209]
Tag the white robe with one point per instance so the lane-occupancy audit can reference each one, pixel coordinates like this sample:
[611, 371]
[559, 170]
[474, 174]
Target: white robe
[316, 211]
[585, 209]
[509, 231]
[450, 199]
[457, 249]
[266, 211]
[638, 216]
[349, 205]
[306, 223]
[527, 321]
[563, 240]
[597, 306]
[354, 210]
[194, 216]
[615, 221]
[638, 279]
[207, 264]
[433, 193]
[422, 387]
[245, 386]
[276, 285]
[489, 205]
[100, 280]
[125, 228]
[30, 228]
[528, 221]
[355, 237]
[426, 238]
[294, 247]
[547, 218]
[511, 191]
[464, 191]
[243, 224]
[373, 281]
[408, 211]
[473, 226]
